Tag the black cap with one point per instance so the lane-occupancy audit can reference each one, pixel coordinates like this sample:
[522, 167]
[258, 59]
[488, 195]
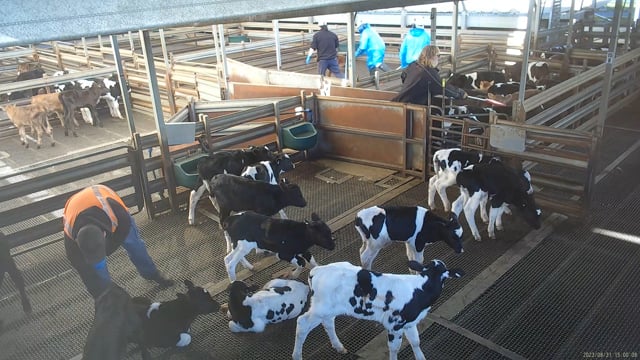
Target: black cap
[91, 241]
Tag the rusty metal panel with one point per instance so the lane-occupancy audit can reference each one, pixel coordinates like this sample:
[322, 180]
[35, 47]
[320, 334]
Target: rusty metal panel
[374, 116]
[362, 93]
[253, 91]
[387, 152]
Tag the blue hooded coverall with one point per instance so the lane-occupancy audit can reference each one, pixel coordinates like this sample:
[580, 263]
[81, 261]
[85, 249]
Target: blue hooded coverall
[414, 41]
[372, 44]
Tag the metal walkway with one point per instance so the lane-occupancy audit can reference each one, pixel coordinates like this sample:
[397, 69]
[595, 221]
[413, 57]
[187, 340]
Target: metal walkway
[571, 296]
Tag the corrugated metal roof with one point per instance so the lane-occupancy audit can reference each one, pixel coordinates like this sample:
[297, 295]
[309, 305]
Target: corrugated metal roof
[34, 21]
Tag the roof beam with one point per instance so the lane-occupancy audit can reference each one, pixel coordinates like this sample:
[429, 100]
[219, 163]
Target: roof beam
[32, 22]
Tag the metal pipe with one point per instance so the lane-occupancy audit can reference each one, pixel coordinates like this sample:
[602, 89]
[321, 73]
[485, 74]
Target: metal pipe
[276, 40]
[525, 54]
[350, 65]
[124, 87]
[159, 118]
[454, 37]
[608, 75]
[225, 66]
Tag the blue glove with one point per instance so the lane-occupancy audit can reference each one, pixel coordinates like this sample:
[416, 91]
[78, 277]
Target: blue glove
[358, 53]
[308, 59]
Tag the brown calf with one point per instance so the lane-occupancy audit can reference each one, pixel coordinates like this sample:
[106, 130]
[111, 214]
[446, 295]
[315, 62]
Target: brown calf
[33, 116]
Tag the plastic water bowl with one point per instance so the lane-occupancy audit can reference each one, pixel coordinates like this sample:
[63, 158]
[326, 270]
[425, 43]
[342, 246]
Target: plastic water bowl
[186, 170]
[302, 136]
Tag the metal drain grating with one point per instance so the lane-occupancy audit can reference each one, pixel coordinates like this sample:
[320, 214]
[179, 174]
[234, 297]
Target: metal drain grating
[333, 176]
[390, 181]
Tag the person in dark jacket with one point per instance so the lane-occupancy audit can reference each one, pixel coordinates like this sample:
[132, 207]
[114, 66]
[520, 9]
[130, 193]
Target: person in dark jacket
[96, 222]
[326, 43]
[421, 80]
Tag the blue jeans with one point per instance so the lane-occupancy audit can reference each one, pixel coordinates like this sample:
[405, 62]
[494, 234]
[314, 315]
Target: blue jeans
[332, 65]
[96, 277]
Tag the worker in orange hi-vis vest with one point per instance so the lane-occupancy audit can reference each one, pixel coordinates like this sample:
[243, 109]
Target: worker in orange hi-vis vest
[96, 223]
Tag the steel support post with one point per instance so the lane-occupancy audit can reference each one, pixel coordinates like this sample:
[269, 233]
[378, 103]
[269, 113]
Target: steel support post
[147, 50]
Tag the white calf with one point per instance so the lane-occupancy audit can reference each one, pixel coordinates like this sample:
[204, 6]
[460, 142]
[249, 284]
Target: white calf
[277, 301]
[398, 302]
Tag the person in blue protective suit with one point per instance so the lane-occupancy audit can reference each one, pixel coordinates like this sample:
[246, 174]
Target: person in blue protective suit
[96, 222]
[326, 43]
[421, 80]
[414, 41]
[372, 44]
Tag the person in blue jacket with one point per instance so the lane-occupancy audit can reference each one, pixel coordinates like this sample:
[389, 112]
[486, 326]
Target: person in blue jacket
[372, 44]
[414, 41]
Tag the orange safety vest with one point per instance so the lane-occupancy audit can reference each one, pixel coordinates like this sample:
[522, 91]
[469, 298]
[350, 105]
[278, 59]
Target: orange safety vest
[95, 195]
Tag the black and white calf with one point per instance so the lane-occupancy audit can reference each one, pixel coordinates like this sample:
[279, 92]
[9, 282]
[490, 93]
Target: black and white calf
[117, 322]
[289, 240]
[447, 163]
[112, 96]
[224, 162]
[398, 302]
[236, 193]
[277, 301]
[167, 324]
[416, 226]
[502, 186]
[270, 171]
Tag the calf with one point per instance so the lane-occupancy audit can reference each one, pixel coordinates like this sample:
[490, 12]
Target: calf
[277, 301]
[224, 162]
[237, 193]
[77, 98]
[117, 322]
[51, 102]
[32, 116]
[289, 240]
[270, 171]
[167, 324]
[476, 79]
[398, 302]
[23, 76]
[536, 71]
[8, 265]
[500, 184]
[416, 226]
[447, 163]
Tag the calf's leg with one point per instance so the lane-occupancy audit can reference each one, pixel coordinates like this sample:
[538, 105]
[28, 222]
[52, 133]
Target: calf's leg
[18, 280]
[330, 328]
[413, 336]
[305, 323]
[369, 254]
[442, 183]
[470, 208]
[431, 191]
[194, 197]
[394, 340]
[493, 215]
[235, 256]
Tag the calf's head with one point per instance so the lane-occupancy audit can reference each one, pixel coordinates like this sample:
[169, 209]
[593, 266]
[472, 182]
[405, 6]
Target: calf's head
[260, 153]
[199, 298]
[320, 233]
[451, 233]
[435, 269]
[526, 206]
[284, 162]
[292, 194]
